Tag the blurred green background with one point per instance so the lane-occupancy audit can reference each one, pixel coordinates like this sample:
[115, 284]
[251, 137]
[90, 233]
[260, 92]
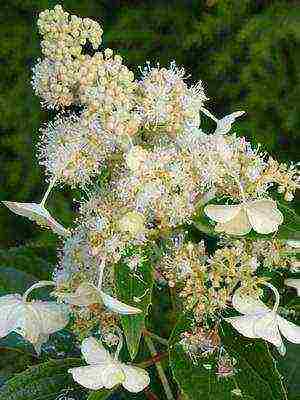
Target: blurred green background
[246, 52]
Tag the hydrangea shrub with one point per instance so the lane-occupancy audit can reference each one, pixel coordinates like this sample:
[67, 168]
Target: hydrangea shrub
[170, 217]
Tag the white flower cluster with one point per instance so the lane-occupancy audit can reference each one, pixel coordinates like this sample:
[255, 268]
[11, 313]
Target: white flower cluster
[163, 170]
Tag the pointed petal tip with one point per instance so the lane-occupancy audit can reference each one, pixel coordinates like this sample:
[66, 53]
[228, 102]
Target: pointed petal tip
[117, 306]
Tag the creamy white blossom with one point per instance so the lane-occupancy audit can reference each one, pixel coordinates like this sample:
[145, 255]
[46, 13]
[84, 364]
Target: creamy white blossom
[259, 321]
[105, 371]
[261, 215]
[34, 320]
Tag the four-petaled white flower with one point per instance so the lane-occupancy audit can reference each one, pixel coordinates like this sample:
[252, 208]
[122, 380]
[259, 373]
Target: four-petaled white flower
[224, 124]
[106, 371]
[294, 283]
[34, 320]
[259, 321]
[261, 215]
[87, 294]
[37, 213]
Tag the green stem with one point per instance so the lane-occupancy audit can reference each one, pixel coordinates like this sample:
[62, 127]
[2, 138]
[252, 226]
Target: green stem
[160, 370]
[50, 187]
[153, 360]
[156, 337]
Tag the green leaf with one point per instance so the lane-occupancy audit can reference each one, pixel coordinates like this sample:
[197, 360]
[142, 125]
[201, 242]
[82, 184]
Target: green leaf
[289, 365]
[255, 375]
[13, 361]
[202, 223]
[41, 382]
[130, 286]
[290, 229]
[195, 379]
[102, 394]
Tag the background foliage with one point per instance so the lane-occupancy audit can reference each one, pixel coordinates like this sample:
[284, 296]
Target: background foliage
[247, 53]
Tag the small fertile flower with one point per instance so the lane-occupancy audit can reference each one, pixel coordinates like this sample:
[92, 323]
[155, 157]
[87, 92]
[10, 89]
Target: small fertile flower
[261, 215]
[105, 371]
[294, 283]
[37, 213]
[34, 320]
[259, 321]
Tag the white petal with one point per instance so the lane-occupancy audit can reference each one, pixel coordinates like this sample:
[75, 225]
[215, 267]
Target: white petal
[89, 377]
[94, 352]
[221, 213]
[248, 304]
[289, 330]
[294, 283]
[264, 216]
[136, 379]
[266, 327]
[224, 124]
[51, 315]
[112, 375]
[38, 214]
[29, 324]
[244, 325]
[238, 226]
[117, 306]
[84, 295]
[96, 377]
[9, 313]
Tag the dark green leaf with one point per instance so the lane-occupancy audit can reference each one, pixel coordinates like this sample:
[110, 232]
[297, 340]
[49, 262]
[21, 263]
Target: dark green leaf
[289, 365]
[290, 229]
[198, 379]
[13, 361]
[202, 223]
[41, 382]
[257, 374]
[133, 286]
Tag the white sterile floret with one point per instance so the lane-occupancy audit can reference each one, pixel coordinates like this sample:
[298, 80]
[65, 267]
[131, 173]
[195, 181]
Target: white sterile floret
[259, 321]
[294, 283]
[224, 124]
[261, 215]
[87, 294]
[105, 371]
[34, 320]
[37, 213]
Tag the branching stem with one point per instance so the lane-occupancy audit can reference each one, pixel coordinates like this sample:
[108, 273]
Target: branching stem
[160, 370]
[156, 337]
